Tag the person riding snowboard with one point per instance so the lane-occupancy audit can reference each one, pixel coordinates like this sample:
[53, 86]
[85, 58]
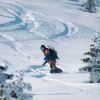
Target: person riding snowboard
[50, 57]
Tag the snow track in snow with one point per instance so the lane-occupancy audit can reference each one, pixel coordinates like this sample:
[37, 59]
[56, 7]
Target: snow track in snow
[36, 72]
[34, 22]
[32, 25]
[10, 42]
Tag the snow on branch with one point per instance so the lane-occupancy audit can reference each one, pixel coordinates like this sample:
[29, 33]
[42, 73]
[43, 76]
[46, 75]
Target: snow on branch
[17, 89]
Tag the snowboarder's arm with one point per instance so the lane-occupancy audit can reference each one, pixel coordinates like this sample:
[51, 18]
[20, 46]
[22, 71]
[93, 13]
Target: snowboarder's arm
[44, 63]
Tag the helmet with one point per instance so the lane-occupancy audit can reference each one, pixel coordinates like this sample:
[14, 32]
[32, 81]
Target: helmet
[42, 47]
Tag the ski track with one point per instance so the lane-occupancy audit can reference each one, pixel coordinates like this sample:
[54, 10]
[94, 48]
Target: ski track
[36, 71]
[29, 21]
[25, 19]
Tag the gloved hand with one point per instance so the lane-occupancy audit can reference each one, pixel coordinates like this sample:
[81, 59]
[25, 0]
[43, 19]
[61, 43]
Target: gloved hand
[43, 64]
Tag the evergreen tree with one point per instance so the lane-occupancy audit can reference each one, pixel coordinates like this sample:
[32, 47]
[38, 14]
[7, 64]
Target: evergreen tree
[16, 89]
[93, 61]
[90, 6]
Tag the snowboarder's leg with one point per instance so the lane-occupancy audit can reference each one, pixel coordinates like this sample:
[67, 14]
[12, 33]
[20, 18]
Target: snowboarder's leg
[52, 66]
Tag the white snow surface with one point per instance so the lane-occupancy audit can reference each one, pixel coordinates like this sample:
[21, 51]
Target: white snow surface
[26, 24]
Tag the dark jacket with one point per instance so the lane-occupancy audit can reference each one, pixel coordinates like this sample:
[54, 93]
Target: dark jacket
[49, 56]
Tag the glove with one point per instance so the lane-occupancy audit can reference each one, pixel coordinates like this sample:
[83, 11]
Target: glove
[43, 64]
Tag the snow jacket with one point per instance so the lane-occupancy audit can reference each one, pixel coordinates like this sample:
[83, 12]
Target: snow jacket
[49, 56]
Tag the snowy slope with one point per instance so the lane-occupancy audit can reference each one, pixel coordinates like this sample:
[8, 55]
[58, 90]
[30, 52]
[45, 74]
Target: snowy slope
[26, 24]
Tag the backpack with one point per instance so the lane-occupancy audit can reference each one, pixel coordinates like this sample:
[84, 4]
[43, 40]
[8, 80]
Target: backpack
[53, 52]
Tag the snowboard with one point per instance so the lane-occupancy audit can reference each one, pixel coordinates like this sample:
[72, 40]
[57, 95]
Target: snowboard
[57, 70]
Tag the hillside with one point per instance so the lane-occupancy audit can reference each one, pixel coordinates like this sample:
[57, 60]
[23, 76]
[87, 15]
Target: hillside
[27, 24]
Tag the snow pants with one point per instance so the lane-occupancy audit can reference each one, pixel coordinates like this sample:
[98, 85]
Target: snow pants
[53, 65]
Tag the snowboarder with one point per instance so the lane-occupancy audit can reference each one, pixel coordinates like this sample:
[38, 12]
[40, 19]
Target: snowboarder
[50, 57]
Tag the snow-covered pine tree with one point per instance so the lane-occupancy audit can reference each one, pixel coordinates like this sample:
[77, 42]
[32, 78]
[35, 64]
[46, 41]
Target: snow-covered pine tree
[93, 61]
[90, 6]
[16, 89]
[95, 72]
